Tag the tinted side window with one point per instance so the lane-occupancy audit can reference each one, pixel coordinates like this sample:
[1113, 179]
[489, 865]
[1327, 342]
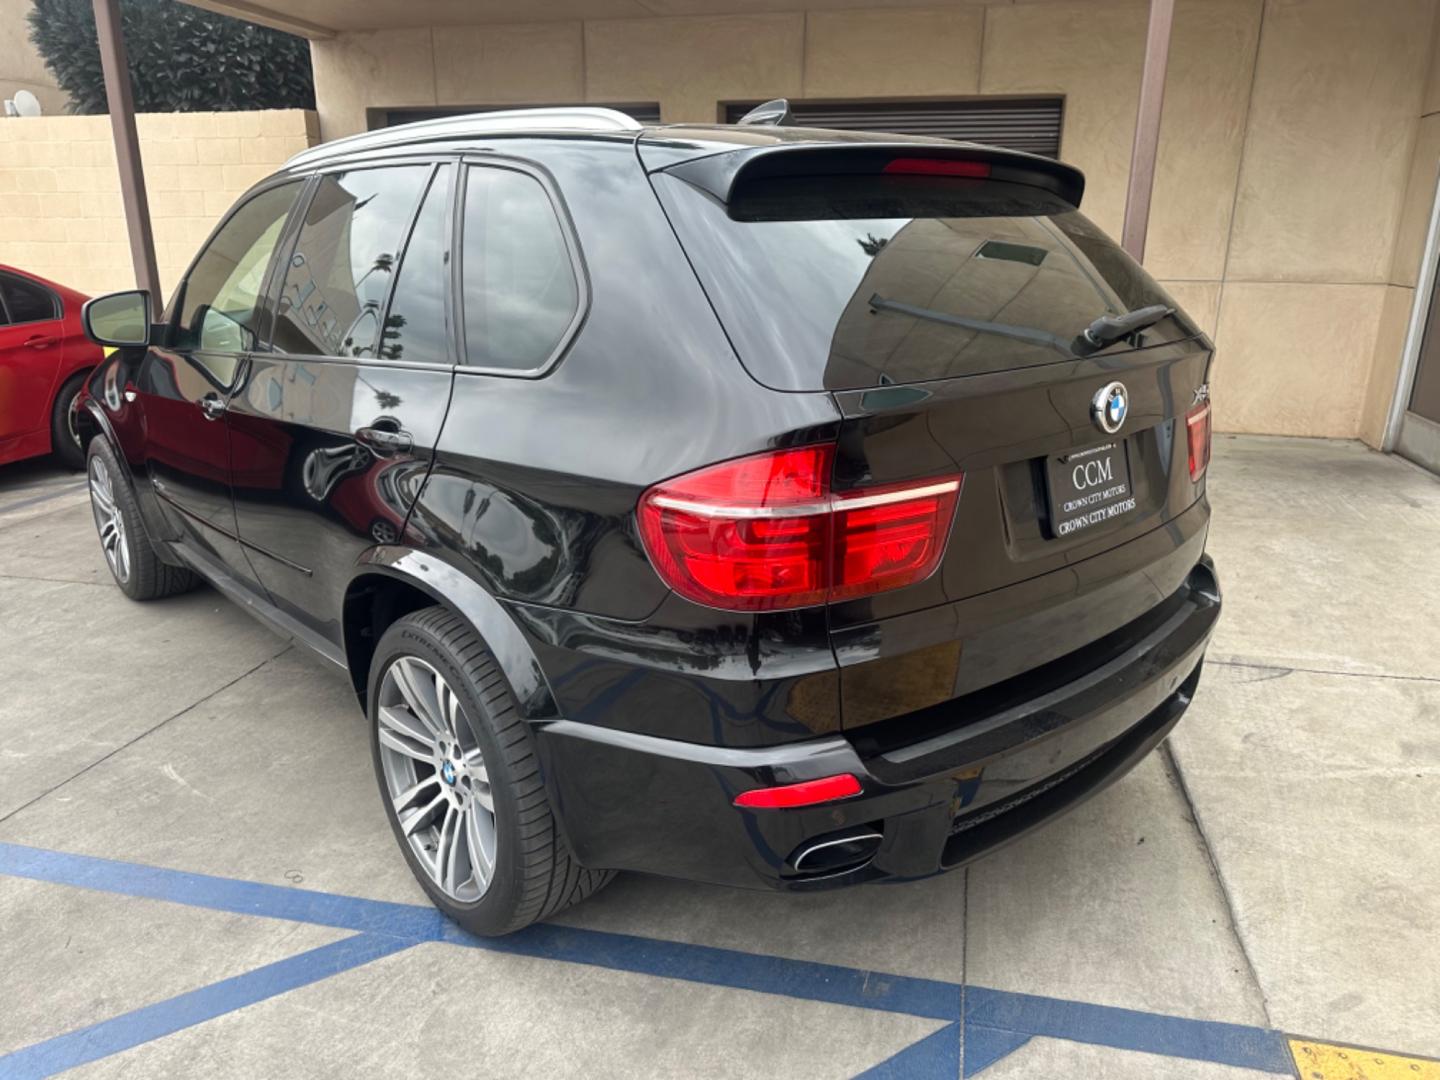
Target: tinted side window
[415, 324]
[219, 307]
[519, 288]
[345, 260]
[27, 302]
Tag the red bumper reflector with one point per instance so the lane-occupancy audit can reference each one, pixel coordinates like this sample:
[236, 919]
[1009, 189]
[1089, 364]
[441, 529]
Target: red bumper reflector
[805, 793]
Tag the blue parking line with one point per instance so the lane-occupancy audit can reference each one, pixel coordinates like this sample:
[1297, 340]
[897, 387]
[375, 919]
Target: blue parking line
[995, 1022]
[409, 921]
[1029, 1015]
[829, 984]
[163, 1018]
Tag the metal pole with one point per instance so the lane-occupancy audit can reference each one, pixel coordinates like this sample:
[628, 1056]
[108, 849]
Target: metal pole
[1147, 128]
[127, 144]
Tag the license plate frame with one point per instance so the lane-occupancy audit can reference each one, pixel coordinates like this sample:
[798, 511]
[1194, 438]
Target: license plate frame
[1089, 487]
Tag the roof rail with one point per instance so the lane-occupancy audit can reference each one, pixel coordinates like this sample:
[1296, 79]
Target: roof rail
[562, 118]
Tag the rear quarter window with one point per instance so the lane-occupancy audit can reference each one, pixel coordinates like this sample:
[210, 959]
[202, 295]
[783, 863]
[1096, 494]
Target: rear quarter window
[520, 289]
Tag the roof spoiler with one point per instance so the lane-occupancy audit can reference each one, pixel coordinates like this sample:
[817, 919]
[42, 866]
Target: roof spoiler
[722, 175]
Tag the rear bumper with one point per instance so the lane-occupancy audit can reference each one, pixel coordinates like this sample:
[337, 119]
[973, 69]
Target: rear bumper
[638, 802]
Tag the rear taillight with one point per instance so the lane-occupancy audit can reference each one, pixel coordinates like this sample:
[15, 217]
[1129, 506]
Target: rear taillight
[765, 532]
[1197, 432]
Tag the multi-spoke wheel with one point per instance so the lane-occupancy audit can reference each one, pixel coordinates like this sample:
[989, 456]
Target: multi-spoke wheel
[435, 776]
[133, 561]
[109, 520]
[457, 769]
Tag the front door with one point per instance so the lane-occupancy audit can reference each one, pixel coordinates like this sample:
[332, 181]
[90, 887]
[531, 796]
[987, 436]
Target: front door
[1419, 433]
[336, 422]
[31, 340]
[184, 386]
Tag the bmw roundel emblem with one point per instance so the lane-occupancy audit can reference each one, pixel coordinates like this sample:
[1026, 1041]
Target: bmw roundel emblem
[447, 772]
[1110, 406]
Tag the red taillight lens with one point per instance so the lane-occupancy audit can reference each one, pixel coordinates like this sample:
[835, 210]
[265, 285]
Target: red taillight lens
[763, 533]
[937, 167]
[805, 793]
[1197, 431]
[890, 538]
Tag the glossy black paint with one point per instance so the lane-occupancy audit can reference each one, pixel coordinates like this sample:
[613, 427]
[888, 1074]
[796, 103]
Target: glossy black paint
[511, 498]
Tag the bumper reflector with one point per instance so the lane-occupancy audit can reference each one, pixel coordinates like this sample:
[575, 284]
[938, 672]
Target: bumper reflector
[805, 793]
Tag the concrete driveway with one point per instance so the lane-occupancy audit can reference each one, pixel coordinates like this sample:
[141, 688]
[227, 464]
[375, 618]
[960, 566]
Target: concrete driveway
[196, 877]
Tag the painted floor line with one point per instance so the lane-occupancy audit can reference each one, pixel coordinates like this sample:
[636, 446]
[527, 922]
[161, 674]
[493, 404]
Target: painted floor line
[996, 1022]
[185, 1010]
[36, 500]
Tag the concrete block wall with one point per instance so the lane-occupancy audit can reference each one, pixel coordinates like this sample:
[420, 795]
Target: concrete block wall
[1287, 152]
[60, 210]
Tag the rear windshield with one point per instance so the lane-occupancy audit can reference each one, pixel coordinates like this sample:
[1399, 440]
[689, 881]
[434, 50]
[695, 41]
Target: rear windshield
[855, 281]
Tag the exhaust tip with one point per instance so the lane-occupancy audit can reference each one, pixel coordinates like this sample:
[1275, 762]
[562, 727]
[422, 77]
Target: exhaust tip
[836, 853]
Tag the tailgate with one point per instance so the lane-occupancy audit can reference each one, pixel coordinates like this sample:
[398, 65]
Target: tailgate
[960, 308]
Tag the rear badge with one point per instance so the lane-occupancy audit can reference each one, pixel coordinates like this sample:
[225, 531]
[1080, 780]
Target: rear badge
[1110, 406]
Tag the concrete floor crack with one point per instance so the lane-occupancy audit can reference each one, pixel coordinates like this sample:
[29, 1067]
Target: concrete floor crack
[148, 731]
[1172, 767]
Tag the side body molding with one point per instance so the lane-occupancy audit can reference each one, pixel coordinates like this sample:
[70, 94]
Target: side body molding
[433, 575]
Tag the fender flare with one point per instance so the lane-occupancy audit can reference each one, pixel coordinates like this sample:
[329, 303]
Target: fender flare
[102, 422]
[434, 576]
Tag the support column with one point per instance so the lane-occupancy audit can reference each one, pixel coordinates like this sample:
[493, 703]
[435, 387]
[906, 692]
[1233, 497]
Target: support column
[1147, 128]
[127, 145]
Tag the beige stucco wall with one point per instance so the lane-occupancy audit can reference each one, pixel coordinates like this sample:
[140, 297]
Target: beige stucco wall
[1414, 223]
[1297, 155]
[60, 211]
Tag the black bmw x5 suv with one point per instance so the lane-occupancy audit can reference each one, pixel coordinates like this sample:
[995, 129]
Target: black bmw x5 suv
[755, 505]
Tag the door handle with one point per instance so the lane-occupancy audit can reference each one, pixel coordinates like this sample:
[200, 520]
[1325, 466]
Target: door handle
[213, 406]
[385, 441]
[38, 341]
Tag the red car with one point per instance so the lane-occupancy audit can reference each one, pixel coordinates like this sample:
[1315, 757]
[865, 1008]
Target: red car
[44, 358]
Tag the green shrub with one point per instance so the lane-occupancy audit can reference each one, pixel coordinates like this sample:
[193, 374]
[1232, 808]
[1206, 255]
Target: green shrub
[182, 59]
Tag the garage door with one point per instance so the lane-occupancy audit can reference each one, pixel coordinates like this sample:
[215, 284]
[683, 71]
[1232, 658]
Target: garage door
[1031, 124]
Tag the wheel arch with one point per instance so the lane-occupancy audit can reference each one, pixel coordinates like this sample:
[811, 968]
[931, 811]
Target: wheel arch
[391, 582]
[91, 421]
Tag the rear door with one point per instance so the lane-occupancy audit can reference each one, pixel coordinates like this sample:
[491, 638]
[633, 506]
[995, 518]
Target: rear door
[31, 343]
[335, 424]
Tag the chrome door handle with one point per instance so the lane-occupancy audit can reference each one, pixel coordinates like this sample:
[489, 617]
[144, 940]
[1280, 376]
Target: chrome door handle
[213, 406]
[384, 440]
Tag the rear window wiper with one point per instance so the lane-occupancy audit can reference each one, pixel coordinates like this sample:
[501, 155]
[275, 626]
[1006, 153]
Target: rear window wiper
[1108, 329]
[1032, 334]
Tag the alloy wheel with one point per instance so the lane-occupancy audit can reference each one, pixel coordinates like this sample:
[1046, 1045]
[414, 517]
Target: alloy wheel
[436, 780]
[109, 520]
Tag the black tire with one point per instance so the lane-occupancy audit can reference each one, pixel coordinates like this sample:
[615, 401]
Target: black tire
[535, 874]
[140, 574]
[64, 434]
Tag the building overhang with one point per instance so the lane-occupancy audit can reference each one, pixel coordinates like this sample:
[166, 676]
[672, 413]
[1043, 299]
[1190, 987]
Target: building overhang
[318, 19]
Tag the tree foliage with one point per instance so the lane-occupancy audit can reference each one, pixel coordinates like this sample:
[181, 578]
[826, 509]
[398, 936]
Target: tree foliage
[182, 58]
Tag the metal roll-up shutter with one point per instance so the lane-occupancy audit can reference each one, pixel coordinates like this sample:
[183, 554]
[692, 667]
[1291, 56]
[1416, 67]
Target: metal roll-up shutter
[1031, 124]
